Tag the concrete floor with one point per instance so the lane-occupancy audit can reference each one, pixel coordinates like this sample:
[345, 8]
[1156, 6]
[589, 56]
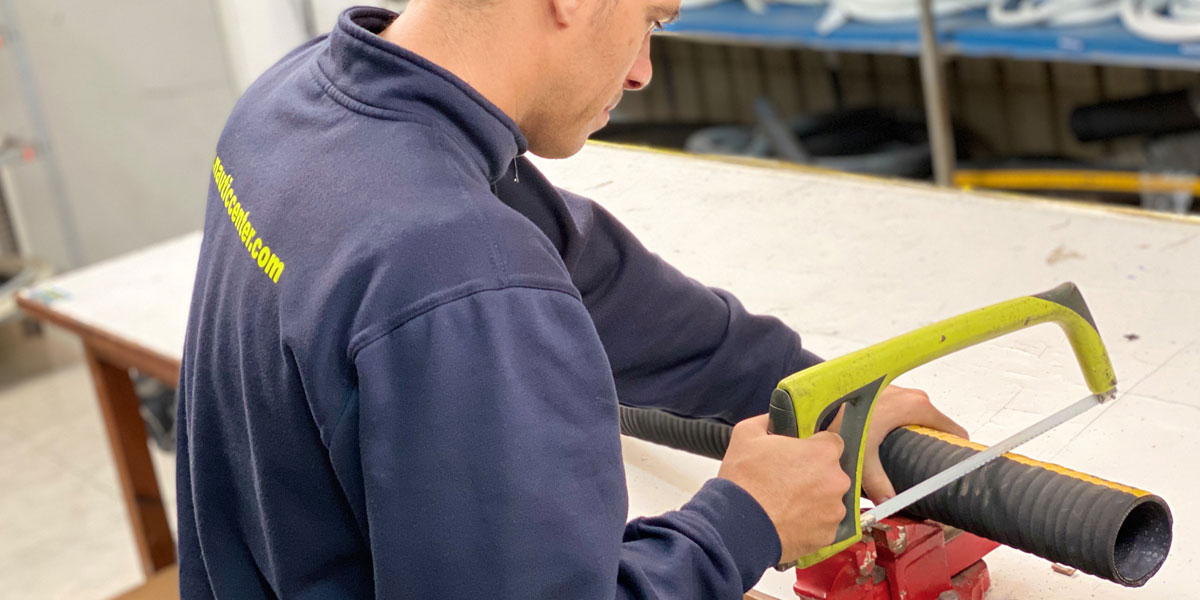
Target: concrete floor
[64, 532]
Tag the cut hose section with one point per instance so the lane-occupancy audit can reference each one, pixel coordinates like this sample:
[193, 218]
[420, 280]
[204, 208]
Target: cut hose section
[1109, 530]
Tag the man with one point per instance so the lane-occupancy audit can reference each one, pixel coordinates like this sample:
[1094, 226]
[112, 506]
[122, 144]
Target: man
[406, 348]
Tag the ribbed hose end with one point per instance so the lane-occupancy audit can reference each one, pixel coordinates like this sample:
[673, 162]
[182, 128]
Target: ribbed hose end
[1142, 541]
[1109, 530]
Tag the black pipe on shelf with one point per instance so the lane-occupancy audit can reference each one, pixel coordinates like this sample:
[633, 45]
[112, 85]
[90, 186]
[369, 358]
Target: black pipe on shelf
[1171, 112]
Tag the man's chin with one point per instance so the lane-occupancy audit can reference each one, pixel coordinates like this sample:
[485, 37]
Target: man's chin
[557, 148]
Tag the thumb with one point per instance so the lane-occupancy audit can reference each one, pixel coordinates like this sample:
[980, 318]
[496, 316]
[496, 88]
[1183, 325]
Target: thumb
[875, 481]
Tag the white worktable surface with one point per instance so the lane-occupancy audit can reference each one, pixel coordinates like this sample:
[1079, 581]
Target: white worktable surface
[851, 261]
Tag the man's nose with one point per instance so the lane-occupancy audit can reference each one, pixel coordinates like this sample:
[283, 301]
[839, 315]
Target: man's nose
[639, 74]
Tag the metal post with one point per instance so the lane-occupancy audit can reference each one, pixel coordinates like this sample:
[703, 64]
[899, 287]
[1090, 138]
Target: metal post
[308, 18]
[41, 132]
[937, 111]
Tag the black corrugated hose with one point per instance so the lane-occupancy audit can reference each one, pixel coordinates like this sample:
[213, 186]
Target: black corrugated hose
[1155, 114]
[1109, 530]
[705, 438]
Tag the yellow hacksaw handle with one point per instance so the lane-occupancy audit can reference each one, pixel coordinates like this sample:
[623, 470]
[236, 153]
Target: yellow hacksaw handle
[805, 402]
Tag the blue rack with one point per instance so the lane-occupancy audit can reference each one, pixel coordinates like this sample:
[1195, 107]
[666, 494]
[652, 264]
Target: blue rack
[967, 34]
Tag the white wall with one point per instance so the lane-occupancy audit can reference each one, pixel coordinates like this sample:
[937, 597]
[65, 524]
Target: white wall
[133, 93]
[259, 32]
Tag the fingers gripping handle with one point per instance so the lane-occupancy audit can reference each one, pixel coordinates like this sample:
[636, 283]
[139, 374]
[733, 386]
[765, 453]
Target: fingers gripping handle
[806, 402]
[784, 420]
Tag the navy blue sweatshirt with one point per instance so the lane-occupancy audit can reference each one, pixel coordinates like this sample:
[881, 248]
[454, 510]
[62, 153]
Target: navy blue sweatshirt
[403, 365]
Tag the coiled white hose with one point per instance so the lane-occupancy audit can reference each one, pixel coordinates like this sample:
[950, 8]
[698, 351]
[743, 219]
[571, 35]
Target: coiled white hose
[886, 11]
[1056, 13]
[1167, 21]
[686, 4]
[760, 6]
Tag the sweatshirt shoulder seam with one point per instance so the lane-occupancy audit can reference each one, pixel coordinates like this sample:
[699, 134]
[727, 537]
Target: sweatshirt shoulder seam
[369, 336]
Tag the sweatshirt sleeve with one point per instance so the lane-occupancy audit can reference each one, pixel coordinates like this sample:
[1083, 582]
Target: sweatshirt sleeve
[674, 343]
[491, 462]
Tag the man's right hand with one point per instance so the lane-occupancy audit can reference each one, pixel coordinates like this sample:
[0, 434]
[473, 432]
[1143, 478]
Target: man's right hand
[798, 482]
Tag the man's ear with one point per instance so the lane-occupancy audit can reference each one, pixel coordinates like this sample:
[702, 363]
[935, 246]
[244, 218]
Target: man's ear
[566, 12]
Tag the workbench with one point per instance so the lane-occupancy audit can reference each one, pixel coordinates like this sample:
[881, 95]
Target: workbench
[847, 261]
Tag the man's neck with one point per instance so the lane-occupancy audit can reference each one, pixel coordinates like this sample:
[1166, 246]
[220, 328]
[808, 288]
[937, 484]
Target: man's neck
[469, 49]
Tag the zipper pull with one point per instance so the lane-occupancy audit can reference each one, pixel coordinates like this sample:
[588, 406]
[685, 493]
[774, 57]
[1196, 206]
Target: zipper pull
[516, 171]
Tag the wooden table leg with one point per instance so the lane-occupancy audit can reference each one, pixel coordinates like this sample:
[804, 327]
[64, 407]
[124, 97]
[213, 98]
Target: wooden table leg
[127, 435]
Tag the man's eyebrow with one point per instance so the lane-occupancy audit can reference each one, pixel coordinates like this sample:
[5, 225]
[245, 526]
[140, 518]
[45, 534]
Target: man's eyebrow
[664, 15]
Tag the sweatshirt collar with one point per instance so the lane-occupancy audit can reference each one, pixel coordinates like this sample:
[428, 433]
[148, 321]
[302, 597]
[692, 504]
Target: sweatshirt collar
[377, 73]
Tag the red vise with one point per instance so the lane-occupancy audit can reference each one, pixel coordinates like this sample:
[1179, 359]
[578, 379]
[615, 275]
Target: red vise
[902, 559]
